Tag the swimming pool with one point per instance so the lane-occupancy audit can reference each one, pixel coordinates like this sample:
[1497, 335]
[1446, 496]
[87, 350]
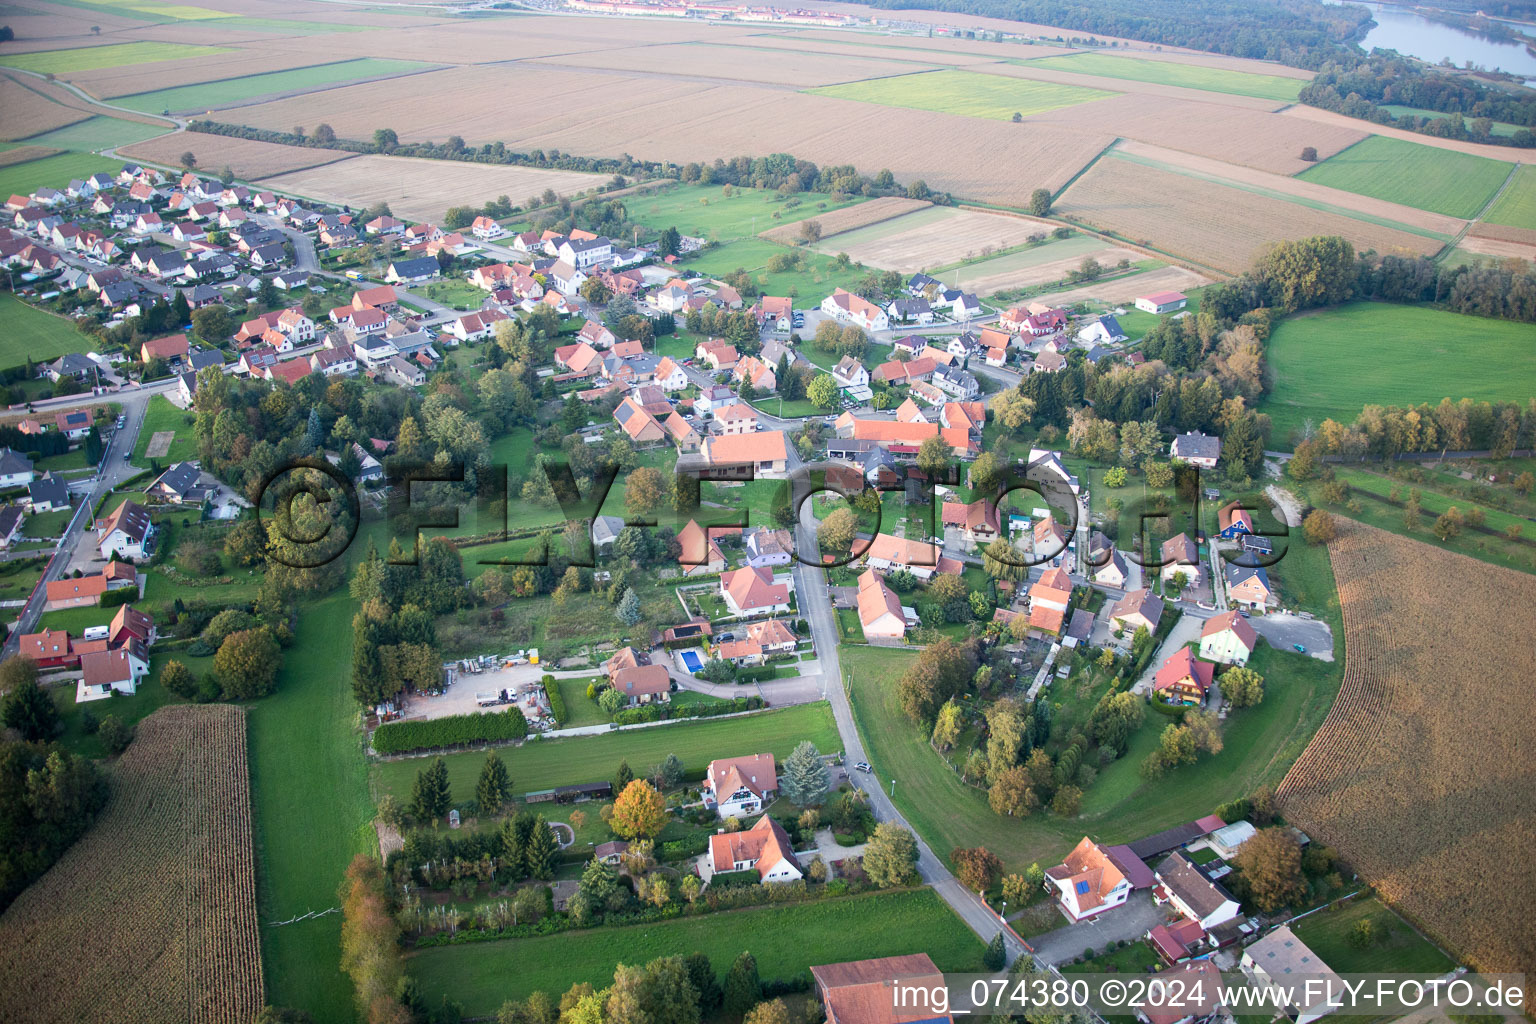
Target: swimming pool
[692, 661]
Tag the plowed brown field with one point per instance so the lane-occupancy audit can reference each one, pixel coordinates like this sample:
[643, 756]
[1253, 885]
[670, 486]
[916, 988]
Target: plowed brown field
[1206, 223]
[741, 64]
[152, 915]
[1423, 775]
[27, 114]
[248, 158]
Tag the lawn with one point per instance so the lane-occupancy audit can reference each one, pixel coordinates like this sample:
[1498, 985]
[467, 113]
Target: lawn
[581, 710]
[1121, 806]
[54, 171]
[26, 331]
[1188, 76]
[1400, 950]
[808, 285]
[18, 578]
[544, 764]
[211, 95]
[73, 459]
[1331, 363]
[455, 293]
[1517, 206]
[96, 133]
[964, 92]
[160, 415]
[46, 525]
[483, 975]
[705, 211]
[312, 811]
[89, 58]
[1442, 180]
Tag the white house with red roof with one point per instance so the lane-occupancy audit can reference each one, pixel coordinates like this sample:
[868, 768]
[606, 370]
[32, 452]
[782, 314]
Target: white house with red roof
[1228, 639]
[848, 308]
[738, 786]
[1088, 882]
[764, 848]
[487, 228]
[756, 591]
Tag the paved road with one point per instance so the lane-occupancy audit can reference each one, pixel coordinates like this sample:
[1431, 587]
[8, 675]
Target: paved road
[114, 470]
[816, 609]
[1284, 629]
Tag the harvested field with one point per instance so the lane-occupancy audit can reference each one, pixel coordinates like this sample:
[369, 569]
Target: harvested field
[21, 154]
[933, 238]
[963, 92]
[1498, 232]
[600, 115]
[735, 63]
[152, 915]
[1420, 768]
[27, 113]
[849, 218]
[424, 189]
[1036, 266]
[1500, 248]
[1124, 289]
[796, 43]
[820, 39]
[1298, 190]
[1210, 224]
[1248, 138]
[248, 158]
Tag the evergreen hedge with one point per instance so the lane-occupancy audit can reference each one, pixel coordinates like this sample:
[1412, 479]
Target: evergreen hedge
[454, 730]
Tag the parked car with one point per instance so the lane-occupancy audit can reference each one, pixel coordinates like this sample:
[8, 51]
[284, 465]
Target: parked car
[1299, 648]
[863, 766]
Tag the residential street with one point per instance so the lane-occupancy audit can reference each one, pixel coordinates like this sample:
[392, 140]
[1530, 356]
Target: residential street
[816, 609]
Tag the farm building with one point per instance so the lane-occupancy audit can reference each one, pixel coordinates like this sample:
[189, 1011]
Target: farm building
[1162, 302]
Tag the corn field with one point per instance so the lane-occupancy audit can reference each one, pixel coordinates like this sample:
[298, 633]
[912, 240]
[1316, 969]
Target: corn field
[152, 915]
[1423, 775]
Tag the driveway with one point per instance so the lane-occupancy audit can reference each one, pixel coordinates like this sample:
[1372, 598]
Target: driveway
[1187, 629]
[1124, 923]
[1285, 629]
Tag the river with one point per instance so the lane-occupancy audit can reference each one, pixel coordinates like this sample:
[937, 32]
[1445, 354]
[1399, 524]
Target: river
[1414, 35]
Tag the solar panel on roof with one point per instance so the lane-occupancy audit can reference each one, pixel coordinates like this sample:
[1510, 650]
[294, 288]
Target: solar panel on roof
[1082, 888]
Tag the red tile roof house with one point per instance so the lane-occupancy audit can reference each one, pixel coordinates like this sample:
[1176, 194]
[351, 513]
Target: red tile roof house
[1090, 881]
[923, 559]
[700, 555]
[880, 611]
[1228, 639]
[764, 848]
[1183, 679]
[175, 346]
[738, 786]
[87, 590]
[632, 675]
[1048, 600]
[976, 523]
[131, 624]
[103, 672]
[864, 991]
[752, 591]
[52, 648]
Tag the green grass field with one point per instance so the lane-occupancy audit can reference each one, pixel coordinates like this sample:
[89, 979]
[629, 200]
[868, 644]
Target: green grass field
[96, 133]
[211, 95]
[89, 58]
[1189, 76]
[1331, 363]
[964, 92]
[160, 415]
[752, 254]
[1441, 180]
[1121, 806]
[54, 171]
[1516, 208]
[705, 211]
[544, 764]
[1396, 110]
[1400, 950]
[785, 940]
[25, 331]
[312, 811]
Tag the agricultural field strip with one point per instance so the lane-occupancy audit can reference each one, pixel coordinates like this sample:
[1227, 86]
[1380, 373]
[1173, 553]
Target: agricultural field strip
[248, 90]
[1398, 778]
[712, 62]
[1140, 153]
[965, 93]
[1455, 184]
[1035, 72]
[849, 218]
[168, 871]
[1317, 115]
[249, 159]
[1018, 270]
[1183, 75]
[1124, 289]
[29, 112]
[1515, 206]
[939, 237]
[62, 62]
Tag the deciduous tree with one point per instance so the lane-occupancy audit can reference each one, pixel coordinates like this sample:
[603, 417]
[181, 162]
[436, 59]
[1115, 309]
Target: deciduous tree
[639, 812]
[890, 857]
